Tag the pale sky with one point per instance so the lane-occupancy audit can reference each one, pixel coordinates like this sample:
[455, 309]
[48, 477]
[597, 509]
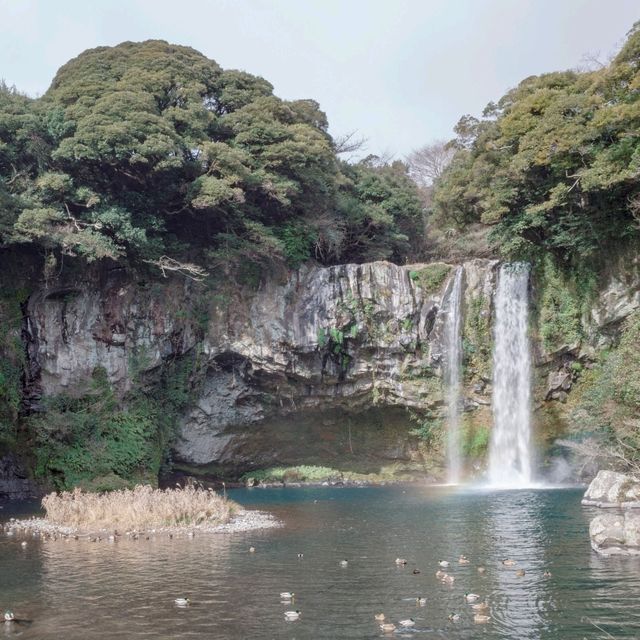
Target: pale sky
[400, 72]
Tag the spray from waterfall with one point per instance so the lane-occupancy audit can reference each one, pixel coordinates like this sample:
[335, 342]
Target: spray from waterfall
[510, 448]
[453, 342]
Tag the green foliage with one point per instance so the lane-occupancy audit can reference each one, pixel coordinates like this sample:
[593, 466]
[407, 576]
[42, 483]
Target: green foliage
[425, 427]
[431, 277]
[475, 440]
[380, 212]
[78, 439]
[606, 400]
[99, 441]
[11, 362]
[477, 339]
[553, 165]
[148, 149]
[560, 308]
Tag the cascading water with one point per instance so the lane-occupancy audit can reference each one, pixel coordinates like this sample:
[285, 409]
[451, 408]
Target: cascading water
[453, 367]
[510, 449]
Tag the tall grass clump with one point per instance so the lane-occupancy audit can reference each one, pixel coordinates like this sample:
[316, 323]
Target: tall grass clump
[140, 508]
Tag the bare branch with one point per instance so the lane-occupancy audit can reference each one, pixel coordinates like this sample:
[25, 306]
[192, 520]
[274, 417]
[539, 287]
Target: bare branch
[427, 163]
[187, 269]
[348, 143]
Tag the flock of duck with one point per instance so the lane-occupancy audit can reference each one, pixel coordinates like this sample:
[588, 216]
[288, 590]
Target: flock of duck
[480, 610]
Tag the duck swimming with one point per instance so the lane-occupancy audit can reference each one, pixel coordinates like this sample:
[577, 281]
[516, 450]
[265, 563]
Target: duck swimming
[343, 563]
[447, 579]
[479, 618]
[400, 561]
[443, 563]
[481, 606]
[421, 601]
[182, 602]
[463, 560]
[388, 627]
[8, 616]
[287, 595]
[454, 617]
[409, 622]
[520, 573]
[292, 615]
[379, 617]
[508, 562]
[471, 597]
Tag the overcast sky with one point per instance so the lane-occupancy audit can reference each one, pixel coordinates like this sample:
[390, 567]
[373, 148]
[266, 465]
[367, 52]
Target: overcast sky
[401, 72]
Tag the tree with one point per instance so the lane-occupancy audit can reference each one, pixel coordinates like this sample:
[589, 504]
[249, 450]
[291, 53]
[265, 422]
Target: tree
[428, 163]
[554, 165]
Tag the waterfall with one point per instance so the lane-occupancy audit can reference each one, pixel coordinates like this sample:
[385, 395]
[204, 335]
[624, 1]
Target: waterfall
[453, 343]
[510, 449]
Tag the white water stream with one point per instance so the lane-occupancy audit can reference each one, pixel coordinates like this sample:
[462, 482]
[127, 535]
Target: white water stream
[453, 342]
[510, 449]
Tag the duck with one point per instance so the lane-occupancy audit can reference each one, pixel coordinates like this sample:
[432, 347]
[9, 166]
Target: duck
[182, 602]
[416, 572]
[421, 601]
[388, 627]
[301, 555]
[287, 595]
[292, 615]
[471, 597]
[520, 573]
[409, 622]
[480, 606]
[440, 574]
[23, 544]
[343, 563]
[400, 561]
[480, 618]
[379, 617]
[252, 549]
[454, 617]
[447, 579]
[507, 562]
[443, 563]
[8, 616]
[481, 570]
[463, 560]
[547, 574]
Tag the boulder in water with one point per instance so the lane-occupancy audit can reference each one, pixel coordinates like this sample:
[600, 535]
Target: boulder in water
[616, 534]
[613, 489]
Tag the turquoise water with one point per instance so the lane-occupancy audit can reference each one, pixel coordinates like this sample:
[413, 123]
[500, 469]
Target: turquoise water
[78, 590]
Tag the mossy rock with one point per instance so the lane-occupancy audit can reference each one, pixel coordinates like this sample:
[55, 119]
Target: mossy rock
[431, 277]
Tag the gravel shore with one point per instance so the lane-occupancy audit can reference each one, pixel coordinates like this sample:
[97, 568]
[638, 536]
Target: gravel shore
[243, 520]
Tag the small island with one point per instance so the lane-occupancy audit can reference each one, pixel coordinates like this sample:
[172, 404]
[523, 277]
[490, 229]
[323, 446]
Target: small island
[141, 510]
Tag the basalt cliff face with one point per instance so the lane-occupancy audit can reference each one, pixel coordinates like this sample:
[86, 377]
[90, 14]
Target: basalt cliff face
[338, 366]
[321, 366]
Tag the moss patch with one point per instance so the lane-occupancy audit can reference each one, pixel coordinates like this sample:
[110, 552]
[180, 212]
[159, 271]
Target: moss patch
[431, 277]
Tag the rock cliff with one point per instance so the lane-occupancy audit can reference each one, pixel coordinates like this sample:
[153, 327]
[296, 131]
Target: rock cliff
[321, 365]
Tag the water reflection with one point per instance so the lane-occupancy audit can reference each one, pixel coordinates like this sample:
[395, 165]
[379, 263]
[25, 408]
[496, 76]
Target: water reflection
[77, 590]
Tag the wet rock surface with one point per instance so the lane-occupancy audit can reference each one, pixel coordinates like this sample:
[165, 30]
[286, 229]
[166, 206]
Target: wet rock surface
[344, 338]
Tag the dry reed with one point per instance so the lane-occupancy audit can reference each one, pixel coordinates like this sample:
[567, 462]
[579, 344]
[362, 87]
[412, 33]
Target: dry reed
[141, 508]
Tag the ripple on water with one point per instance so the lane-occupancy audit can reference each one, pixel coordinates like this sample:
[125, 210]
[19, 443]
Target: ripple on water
[80, 589]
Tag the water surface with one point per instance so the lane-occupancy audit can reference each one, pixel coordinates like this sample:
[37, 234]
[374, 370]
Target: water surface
[79, 589]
